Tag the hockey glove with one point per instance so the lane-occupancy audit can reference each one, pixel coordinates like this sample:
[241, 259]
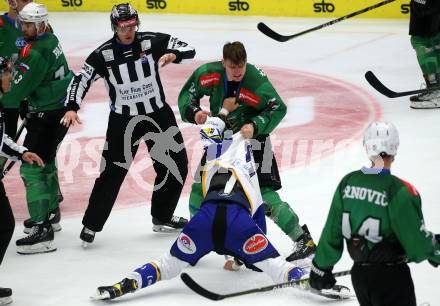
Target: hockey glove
[436, 240]
[433, 263]
[321, 278]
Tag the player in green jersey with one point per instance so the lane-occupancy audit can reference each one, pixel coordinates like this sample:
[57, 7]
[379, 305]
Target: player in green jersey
[424, 28]
[9, 149]
[243, 93]
[10, 44]
[42, 78]
[380, 218]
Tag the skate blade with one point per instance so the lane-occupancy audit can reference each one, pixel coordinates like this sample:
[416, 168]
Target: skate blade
[424, 105]
[5, 300]
[85, 244]
[165, 229]
[342, 293]
[100, 296]
[38, 248]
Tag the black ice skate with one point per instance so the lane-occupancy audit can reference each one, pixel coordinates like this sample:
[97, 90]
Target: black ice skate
[54, 220]
[5, 296]
[304, 247]
[87, 236]
[125, 286]
[174, 225]
[39, 240]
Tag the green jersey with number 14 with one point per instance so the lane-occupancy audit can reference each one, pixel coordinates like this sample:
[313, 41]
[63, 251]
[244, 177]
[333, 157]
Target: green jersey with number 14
[41, 76]
[380, 208]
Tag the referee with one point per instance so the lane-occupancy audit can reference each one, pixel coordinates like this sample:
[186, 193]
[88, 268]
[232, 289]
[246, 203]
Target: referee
[129, 64]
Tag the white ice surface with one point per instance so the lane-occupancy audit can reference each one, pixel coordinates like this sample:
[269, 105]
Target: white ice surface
[345, 51]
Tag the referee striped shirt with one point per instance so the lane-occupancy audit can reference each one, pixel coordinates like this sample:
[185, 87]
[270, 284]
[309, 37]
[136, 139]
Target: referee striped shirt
[130, 72]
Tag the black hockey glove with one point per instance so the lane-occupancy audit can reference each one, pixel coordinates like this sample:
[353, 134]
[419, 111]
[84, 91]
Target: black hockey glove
[321, 278]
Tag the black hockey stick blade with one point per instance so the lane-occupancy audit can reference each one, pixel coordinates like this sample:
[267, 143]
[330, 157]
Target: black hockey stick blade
[193, 285]
[282, 38]
[199, 289]
[271, 33]
[380, 87]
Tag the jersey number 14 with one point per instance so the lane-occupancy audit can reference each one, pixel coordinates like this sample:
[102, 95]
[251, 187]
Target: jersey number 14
[369, 228]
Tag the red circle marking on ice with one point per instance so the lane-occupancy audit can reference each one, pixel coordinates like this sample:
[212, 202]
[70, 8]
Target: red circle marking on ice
[322, 111]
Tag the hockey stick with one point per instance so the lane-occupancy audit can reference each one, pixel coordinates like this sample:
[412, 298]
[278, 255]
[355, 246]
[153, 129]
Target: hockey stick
[380, 87]
[17, 136]
[217, 296]
[282, 38]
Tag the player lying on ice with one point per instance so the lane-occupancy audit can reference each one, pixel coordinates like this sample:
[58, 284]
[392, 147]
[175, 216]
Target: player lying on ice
[231, 220]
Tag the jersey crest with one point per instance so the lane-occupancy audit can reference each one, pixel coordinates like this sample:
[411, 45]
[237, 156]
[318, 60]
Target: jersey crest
[26, 50]
[410, 188]
[255, 244]
[249, 97]
[210, 79]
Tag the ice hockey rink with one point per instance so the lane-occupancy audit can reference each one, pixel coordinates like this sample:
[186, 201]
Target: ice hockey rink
[319, 75]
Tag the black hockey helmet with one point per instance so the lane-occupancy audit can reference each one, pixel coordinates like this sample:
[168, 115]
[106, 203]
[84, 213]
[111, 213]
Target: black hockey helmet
[123, 15]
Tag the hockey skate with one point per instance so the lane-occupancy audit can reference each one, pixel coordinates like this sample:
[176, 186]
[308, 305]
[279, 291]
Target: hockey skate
[39, 240]
[117, 290]
[87, 236]
[54, 220]
[432, 103]
[232, 264]
[303, 250]
[174, 225]
[5, 296]
[427, 100]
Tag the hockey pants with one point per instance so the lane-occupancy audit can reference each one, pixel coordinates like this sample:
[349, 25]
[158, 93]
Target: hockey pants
[428, 53]
[276, 209]
[44, 134]
[166, 147]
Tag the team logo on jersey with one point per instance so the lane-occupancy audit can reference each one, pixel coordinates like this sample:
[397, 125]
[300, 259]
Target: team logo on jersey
[185, 244]
[108, 55]
[210, 79]
[145, 45]
[20, 42]
[143, 58]
[249, 97]
[255, 244]
[26, 50]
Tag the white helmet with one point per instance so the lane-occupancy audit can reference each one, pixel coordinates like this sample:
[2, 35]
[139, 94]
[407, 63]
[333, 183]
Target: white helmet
[381, 137]
[34, 12]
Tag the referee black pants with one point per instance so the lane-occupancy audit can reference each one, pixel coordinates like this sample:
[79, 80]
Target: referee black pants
[166, 147]
[7, 222]
[383, 285]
